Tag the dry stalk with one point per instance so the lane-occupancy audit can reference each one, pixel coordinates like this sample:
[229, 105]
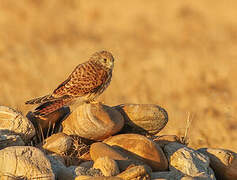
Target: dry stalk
[185, 139]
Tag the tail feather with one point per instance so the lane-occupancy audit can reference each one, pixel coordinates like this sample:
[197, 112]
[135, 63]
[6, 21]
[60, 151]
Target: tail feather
[40, 100]
[49, 107]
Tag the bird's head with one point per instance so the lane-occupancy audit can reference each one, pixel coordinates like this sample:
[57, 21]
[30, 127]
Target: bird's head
[104, 58]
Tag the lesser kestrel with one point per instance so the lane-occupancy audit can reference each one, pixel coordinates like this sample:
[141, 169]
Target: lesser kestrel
[85, 83]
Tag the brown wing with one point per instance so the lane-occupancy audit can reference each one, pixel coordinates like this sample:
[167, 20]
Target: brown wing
[86, 78]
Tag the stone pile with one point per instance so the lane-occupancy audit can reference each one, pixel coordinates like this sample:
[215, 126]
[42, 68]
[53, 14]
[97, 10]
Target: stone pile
[96, 141]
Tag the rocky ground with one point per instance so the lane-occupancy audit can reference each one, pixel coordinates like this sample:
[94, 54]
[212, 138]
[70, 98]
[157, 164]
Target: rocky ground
[97, 141]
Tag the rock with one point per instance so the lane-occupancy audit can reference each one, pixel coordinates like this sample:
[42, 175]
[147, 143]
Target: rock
[100, 149]
[10, 140]
[166, 175]
[126, 164]
[105, 178]
[143, 118]
[83, 177]
[59, 170]
[166, 139]
[185, 160]
[96, 178]
[58, 158]
[59, 143]
[87, 164]
[200, 177]
[107, 166]
[170, 175]
[188, 178]
[142, 148]
[82, 171]
[136, 172]
[14, 123]
[26, 162]
[9, 177]
[223, 162]
[123, 159]
[93, 121]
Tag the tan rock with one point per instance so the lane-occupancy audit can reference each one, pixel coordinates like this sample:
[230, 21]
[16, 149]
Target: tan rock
[14, 123]
[107, 166]
[136, 172]
[124, 160]
[9, 177]
[141, 148]
[105, 178]
[101, 149]
[223, 162]
[59, 143]
[93, 121]
[25, 161]
[96, 178]
[143, 118]
[83, 177]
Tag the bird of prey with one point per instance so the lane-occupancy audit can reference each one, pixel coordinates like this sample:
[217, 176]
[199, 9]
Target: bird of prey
[87, 81]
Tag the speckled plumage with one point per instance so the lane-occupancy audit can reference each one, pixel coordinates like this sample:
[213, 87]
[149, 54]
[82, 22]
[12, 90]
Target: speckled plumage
[85, 83]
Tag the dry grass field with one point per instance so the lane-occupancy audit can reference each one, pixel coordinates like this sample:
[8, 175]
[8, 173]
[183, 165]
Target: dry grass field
[181, 55]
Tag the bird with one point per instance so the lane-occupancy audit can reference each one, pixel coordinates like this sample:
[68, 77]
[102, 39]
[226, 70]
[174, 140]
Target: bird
[87, 81]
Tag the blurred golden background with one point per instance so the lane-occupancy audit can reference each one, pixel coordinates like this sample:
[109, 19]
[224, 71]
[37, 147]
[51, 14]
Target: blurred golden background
[181, 55]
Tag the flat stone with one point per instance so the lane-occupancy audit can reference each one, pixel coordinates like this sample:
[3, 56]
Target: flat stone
[93, 121]
[100, 149]
[142, 148]
[143, 118]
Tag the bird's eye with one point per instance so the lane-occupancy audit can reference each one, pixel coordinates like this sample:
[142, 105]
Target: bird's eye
[104, 60]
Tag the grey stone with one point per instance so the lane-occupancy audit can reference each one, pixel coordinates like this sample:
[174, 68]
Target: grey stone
[187, 161]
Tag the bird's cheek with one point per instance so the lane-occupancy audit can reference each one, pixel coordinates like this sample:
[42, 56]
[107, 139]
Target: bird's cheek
[111, 65]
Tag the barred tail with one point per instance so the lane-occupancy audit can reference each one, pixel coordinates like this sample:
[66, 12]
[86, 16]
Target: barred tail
[40, 100]
[49, 107]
